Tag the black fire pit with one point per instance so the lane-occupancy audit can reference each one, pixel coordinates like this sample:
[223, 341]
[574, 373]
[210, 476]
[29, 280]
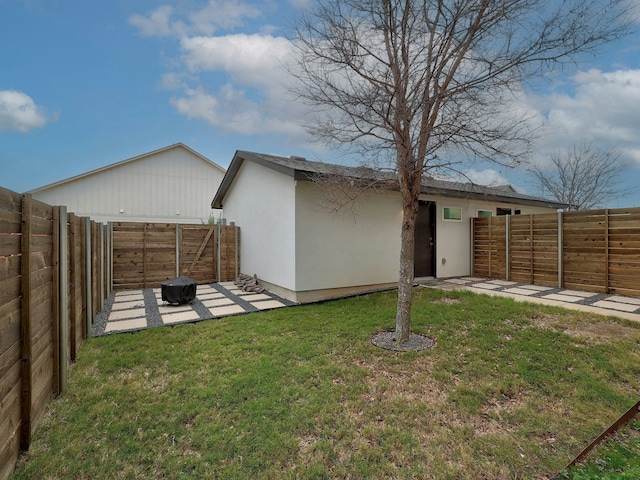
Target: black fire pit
[179, 290]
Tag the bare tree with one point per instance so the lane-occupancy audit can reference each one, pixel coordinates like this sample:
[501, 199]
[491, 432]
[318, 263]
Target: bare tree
[582, 177]
[424, 82]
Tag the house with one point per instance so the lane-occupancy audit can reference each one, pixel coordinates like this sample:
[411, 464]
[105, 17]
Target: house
[169, 185]
[303, 250]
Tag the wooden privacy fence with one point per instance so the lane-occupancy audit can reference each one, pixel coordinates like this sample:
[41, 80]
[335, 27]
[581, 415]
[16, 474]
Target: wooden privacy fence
[594, 251]
[52, 284]
[146, 254]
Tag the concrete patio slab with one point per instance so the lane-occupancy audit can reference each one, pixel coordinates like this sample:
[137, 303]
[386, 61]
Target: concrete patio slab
[268, 304]
[124, 325]
[228, 310]
[171, 318]
[625, 307]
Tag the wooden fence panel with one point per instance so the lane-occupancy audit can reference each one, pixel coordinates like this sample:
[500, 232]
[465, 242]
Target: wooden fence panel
[600, 250]
[198, 252]
[229, 253]
[10, 329]
[41, 311]
[146, 254]
[30, 308]
[482, 247]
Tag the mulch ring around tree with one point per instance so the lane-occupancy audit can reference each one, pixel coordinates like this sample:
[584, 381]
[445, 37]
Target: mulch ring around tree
[416, 343]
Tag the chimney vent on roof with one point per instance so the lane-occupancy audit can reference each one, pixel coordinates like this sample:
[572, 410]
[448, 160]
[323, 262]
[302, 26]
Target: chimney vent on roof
[294, 157]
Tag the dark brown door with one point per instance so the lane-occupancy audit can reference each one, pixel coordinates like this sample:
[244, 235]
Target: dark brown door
[425, 237]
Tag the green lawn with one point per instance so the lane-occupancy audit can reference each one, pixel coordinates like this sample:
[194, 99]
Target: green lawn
[510, 390]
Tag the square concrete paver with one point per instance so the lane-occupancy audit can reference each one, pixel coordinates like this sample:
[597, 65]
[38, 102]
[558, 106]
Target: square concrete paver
[127, 305]
[133, 324]
[475, 279]
[576, 293]
[623, 307]
[178, 317]
[256, 296]
[126, 314]
[537, 288]
[162, 308]
[128, 296]
[458, 281]
[520, 291]
[502, 283]
[563, 298]
[217, 302]
[209, 294]
[268, 304]
[227, 310]
[487, 286]
[621, 299]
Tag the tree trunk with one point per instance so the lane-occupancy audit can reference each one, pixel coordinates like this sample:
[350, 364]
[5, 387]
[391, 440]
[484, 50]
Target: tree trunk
[405, 282]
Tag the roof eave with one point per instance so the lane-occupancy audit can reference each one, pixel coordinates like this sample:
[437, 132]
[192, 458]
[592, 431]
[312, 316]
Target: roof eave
[238, 159]
[492, 197]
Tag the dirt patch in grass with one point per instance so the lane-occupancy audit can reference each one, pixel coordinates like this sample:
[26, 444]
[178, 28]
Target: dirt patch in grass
[446, 301]
[591, 330]
[415, 343]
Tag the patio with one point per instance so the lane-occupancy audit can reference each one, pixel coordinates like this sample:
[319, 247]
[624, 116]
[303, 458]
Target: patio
[131, 310]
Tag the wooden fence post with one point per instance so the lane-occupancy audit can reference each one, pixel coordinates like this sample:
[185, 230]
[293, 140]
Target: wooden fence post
[109, 256]
[219, 246]
[507, 222]
[101, 252]
[65, 352]
[490, 245]
[560, 254]
[89, 271]
[235, 233]
[25, 323]
[71, 242]
[531, 247]
[606, 250]
[177, 249]
[55, 303]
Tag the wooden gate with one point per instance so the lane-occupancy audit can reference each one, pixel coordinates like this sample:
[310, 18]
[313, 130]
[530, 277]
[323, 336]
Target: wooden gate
[146, 254]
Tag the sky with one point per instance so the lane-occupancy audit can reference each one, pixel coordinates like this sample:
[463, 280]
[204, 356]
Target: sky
[86, 84]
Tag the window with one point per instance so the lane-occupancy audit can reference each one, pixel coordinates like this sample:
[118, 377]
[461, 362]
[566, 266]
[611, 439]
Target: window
[503, 211]
[485, 213]
[452, 213]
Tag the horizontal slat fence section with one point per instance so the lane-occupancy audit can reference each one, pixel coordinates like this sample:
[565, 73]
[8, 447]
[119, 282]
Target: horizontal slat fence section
[595, 251]
[36, 308]
[146, 254]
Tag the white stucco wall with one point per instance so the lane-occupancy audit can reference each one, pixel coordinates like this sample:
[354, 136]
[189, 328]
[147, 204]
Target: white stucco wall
[262, 202]
[453, 238]
[362, 246]
[291, 240]
[172, 185]
[355, 246]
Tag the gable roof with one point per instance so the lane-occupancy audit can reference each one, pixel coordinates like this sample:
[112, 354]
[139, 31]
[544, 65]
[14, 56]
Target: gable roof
[301, 169]
[123, 162]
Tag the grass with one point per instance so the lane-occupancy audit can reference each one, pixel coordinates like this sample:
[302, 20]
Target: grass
[511, 390]
[617, 458]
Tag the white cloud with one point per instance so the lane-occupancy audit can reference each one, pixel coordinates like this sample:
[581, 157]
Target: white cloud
[300, 3]
[18, 112]
[223, 14]
[255, 59]
[230, 109]
[158, 23]
[255, 98]
[604, 109]
[165, 20]
[489, 177]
